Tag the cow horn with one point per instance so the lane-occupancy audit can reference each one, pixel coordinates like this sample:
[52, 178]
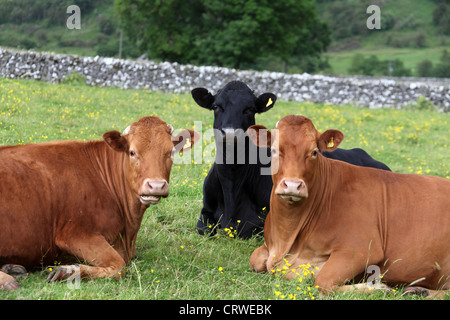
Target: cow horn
[126, 131]
[277, 124]
[171, 128]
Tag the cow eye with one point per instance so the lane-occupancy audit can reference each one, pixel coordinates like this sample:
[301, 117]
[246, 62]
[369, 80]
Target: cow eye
[216, 107]
[132, 153]
[314, 154]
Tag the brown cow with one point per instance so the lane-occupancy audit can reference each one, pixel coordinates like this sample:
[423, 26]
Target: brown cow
[342, 219]
[84, 199]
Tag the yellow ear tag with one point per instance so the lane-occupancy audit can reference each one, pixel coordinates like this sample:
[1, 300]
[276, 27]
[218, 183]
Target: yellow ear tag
[269, 102]
[331, 143]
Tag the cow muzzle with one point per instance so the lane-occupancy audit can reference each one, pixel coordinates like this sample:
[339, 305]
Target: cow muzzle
[153, 190]
[292, 189]
[230, 135]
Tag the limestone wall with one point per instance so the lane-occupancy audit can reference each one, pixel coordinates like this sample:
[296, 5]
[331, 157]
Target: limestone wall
[373, 92]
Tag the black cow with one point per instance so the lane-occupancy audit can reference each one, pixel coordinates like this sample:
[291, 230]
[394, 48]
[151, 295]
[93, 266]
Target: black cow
[235, 193]
[355, 156]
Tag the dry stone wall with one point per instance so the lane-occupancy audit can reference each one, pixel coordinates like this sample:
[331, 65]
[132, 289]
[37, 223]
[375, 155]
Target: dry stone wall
[373, 92]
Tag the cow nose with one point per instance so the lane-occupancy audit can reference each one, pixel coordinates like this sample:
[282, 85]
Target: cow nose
[158, 187]
[292, 186]
[232, 135]
[228, 133]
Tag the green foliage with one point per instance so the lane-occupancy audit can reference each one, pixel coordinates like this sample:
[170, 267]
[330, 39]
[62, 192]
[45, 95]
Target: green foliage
[166, 29]
[422, 103]
[74, 78]
[225, 33]
[110, 48]
[425, 68]
[371, 66]
[441, 17]
[107, 25]
[346, 18]
[441, 70]
[20, 11]
[40, 25]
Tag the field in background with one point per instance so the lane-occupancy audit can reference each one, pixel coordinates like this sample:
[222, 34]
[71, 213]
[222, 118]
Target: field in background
[173, 261]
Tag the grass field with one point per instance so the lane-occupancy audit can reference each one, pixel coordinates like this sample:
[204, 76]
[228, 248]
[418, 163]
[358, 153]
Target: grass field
[173, 261]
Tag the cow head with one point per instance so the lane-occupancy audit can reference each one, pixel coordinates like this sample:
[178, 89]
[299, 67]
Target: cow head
[295, 146]
[234, 107]
[148, 148]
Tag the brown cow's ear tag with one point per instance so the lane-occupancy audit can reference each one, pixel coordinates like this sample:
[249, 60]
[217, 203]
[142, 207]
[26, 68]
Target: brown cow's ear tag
[330, 140]
[187, 138]
[331, 143]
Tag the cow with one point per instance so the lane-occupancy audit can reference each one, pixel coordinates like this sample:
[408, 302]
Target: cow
[235, 193]
[343, 219]
[84, 200]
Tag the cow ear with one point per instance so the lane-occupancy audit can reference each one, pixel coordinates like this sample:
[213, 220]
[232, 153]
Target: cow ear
[203, 97]
[330, 140]
[265, 102]
[186, 136]
[260, 136]
[115, 140]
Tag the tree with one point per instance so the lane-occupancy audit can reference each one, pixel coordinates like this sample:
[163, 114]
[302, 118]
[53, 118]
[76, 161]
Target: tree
[365, 66]
[425, 68]
[165, 29]
[221, 32]
[441, 17]
[442, 69]
[371, 66]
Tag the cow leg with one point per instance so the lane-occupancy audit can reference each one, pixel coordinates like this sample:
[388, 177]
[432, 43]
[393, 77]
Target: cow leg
[206, 224]
[429, 294]
[258, 259]
[9, 273]
[339, 269]
[15, 270]
[363, 288]
[212, 200]
[8, 282]
[104, 261]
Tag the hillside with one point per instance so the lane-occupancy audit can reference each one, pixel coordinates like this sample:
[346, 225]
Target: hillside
[408, 32]
[47, 31]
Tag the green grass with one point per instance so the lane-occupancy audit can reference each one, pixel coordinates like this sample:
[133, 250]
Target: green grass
[173, 261]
